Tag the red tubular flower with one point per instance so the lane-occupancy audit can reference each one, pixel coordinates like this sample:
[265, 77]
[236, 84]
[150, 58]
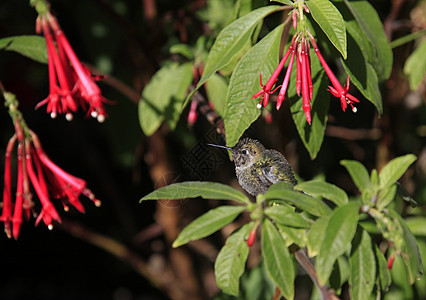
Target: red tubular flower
[299, 71]
[76, 83]
[305, 85]
[193, 114]
[48, 180]
[336, 89]
[390, 261]
[6, 216]
[284, 86]
[18, 210]
[252, 237]
[266, 89]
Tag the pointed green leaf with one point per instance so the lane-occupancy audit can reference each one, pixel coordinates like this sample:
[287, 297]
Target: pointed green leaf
[240, 109]
[364, 77]
[293, 235]
[231, 260]
[210, 222]
[417, 225]
[386, 197]
[277, 259]
[362, 266]
[285, 215]
[31, 46]
[316, 235]
[324, 189]
[384, 273]
[307, 203]
[358, 173]
[359, 60]
[331, 22]
[216, 88]
[338, 236]
[372, 27]
[395, 169]
[163, 96]
[231, 40]
[411, 254]
[193, 189]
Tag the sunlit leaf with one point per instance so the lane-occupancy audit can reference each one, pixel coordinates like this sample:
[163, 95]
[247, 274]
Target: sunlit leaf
[358, 173]
[331, 22]
[240, 109]
[395, 169]
[338, 236]
[31, 46]
[192, 189]
[277, 259]
[230, 262]
[210, 222]
[362, 266]
[307, 203]
[324, 189]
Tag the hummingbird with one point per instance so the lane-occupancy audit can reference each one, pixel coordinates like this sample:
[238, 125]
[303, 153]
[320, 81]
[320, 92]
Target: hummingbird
[257, 168]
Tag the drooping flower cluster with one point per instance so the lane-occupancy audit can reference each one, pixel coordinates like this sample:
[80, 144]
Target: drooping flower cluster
[48, 180]
[299, 50]
[71, 83]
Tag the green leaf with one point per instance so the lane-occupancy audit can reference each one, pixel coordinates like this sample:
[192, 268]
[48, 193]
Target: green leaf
[231, 40]
[285, 215]
[372, 27]
[240, 109]
[216, 88]
[411, 254]
[362, 266]
[364, 77]
[293, 235]
[307, 203]
[415, 66]
[163, 96]
[331, 22]
[278, 262]
[358, 173]
[384, 273]
[193, 189]
[316, 235]
[417, 225]
[324, 189]
[338, 236]
[183, 50]
[386, 196]
[210, 222]
[311, 135]
[231, 260]
[395, 169]
[407, 38]
[31, 46]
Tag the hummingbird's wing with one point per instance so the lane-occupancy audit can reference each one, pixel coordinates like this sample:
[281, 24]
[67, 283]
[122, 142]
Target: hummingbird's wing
[276, 168]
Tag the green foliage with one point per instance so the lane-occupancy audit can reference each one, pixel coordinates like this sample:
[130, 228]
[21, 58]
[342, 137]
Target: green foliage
[210, 222]
[415, 66]
[162, 98]
[31, 46]
[344, 251]
[239, 110]
[231, 260]
[331, 22]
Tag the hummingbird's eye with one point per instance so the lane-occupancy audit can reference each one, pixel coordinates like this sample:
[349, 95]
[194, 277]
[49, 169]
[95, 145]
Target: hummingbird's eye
[244, 152]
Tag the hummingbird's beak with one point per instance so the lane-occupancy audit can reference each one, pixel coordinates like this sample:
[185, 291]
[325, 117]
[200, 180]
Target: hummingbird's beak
[220, 146]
